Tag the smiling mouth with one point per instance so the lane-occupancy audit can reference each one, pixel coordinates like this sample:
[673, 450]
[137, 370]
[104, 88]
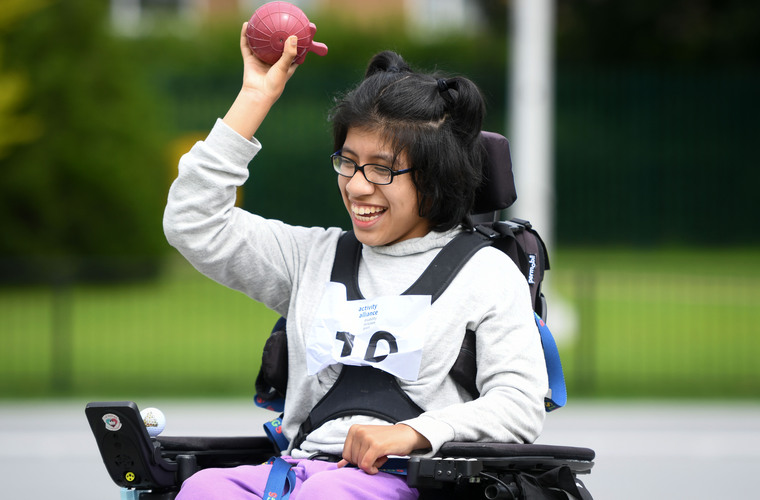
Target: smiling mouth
[365, 213]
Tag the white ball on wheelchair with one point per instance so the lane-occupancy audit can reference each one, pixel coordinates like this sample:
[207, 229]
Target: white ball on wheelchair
[154, 421]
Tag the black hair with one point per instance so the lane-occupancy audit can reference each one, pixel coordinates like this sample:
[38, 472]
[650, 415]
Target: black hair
[435, 120]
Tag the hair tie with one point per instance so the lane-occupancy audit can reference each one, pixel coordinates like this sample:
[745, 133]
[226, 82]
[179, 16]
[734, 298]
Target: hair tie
[444, 90]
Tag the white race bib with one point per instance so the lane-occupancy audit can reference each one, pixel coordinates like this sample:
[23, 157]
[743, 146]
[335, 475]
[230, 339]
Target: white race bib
[386, 332]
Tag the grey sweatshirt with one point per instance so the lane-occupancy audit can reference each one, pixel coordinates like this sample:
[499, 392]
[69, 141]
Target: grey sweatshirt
[287, 268]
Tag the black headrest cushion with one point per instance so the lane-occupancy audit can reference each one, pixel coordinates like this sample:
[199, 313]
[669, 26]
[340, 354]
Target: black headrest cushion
[497, 191]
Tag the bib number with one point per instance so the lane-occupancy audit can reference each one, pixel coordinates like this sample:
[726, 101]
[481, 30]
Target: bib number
[386, 332]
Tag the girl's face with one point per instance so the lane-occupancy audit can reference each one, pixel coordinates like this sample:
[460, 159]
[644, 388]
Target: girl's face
[380, 215]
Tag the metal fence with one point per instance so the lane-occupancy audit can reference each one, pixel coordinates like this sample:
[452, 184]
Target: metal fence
[651, 334]
[621, 333]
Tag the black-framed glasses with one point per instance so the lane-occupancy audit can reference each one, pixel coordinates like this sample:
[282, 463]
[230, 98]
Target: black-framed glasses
[376, 174]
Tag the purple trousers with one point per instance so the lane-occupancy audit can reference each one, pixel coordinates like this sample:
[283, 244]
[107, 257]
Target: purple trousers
[315, 480]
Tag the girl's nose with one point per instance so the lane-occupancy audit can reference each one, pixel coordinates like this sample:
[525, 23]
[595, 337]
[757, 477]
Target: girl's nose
[359, 185]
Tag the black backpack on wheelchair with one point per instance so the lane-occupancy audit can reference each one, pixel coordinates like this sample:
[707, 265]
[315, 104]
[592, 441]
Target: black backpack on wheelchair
[154, 468]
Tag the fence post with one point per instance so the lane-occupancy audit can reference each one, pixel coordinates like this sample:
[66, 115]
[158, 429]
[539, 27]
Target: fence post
[586, 283]
[62, 333]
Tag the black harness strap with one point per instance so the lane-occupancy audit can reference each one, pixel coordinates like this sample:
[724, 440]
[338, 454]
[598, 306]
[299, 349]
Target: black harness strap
[346, 265]
[360, 390]
[447, 264]
[364, 390]
[433, 281]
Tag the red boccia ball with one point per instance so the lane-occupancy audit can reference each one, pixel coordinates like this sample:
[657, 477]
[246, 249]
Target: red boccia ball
[272, 24]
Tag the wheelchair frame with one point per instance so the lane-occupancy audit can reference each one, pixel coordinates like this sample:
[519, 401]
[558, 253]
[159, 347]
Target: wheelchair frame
[154, 468]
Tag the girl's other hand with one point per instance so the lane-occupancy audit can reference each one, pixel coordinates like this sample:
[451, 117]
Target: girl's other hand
[368, 446]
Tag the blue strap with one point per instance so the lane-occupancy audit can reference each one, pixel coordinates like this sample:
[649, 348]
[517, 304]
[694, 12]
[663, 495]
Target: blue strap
[273, 430]
[395, 465]
[281, 480]
[272, 405]
[553, 367]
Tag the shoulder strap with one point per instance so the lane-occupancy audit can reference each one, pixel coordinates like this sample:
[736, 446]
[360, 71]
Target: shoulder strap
[433, 281]
[346, 265]
[447, 264]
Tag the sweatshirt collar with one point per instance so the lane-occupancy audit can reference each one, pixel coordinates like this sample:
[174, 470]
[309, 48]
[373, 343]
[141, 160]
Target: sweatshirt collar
[413, 246]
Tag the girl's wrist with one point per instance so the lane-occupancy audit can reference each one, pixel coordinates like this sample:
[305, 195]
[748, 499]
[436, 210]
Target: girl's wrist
[419, 442]
[248, 112]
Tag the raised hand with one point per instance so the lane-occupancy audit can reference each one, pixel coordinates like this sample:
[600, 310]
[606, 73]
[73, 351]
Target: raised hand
[262, 86]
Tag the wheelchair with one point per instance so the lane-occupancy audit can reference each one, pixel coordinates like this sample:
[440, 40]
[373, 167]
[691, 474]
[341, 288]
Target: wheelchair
[147, 468]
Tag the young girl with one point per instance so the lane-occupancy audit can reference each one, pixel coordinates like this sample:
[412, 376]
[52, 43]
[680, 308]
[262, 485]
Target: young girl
[408, 161]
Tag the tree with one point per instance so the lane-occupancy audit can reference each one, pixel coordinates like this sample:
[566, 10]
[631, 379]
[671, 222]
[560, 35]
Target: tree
[91, 179]
[16, 127]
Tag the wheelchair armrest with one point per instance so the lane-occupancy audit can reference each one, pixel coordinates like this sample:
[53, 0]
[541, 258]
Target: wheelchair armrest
[218, 451]
[214, 444]
[458, 461]
[475, 449]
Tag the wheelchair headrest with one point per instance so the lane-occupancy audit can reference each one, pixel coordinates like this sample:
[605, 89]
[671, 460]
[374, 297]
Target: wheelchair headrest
[497, 191]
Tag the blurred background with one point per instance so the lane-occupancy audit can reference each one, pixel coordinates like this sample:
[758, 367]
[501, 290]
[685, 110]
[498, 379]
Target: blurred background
[654, 288]
[655, 241]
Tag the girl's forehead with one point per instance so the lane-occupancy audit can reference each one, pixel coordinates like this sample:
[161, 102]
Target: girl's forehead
[376, 142]
[367, 136]
[368, 142]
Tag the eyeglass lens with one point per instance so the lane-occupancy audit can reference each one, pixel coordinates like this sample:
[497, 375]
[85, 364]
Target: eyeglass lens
[376, 174]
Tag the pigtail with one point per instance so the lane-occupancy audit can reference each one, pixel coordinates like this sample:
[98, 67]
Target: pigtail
[465, 107]
[388, 62]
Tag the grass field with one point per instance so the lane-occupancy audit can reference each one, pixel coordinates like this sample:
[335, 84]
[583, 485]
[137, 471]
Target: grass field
[183, 334]
[667, 323]
[649, 323]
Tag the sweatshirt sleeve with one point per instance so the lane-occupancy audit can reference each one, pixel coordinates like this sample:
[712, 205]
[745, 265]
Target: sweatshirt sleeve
[238, 249]
[511, 371]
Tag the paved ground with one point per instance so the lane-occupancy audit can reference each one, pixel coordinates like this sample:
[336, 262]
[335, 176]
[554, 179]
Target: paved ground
[644, 450]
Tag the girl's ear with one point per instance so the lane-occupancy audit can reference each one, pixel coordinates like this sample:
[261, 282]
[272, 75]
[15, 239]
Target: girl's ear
[424, 204]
